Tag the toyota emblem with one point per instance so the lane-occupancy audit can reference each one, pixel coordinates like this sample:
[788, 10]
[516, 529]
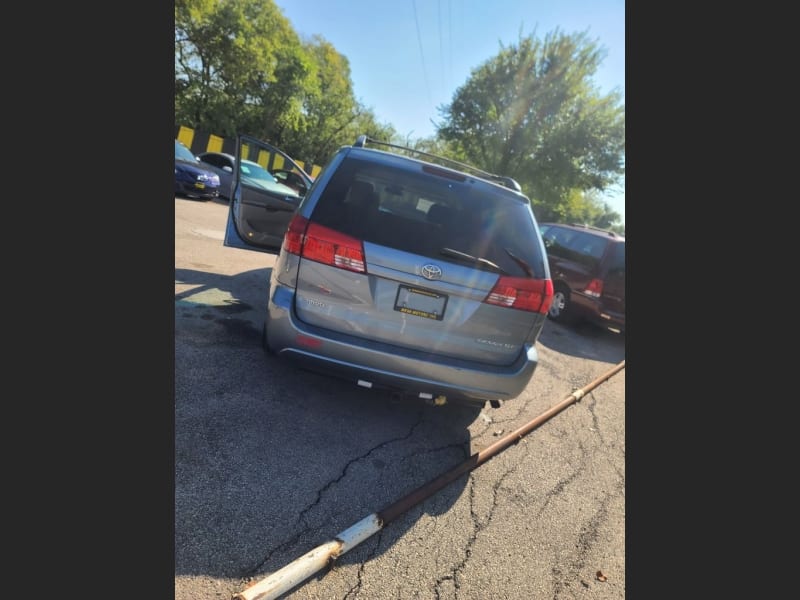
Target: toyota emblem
[431, 272]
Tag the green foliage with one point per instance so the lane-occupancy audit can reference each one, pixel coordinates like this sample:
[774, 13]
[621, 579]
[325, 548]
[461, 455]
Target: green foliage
[578, 207]
[331, 117]
[238, 67]
[532, 113]
[241, 68]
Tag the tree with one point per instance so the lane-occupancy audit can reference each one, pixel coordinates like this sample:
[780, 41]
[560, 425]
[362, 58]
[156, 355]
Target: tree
[331, 116]
[239, 67]
[532, 113]
[580, 207]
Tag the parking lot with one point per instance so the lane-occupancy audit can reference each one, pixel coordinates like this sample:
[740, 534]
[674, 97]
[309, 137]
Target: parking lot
[272, 461]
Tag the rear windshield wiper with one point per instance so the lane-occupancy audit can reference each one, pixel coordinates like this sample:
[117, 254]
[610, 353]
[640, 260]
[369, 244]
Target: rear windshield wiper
[525, 266]
[472, 259]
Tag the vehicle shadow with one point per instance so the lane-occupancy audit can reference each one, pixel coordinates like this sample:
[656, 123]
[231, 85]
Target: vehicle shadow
[272, 460]
[584, 340]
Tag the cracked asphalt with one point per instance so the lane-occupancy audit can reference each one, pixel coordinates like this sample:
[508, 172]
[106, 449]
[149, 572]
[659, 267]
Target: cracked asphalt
[272, 461]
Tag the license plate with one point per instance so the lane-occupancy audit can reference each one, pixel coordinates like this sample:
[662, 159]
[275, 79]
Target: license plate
[199, 185]
[420, 303]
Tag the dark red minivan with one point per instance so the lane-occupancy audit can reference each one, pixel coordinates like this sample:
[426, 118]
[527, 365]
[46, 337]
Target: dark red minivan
[587, 267]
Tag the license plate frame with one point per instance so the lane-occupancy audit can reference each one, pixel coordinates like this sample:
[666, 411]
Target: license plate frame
[419, 302]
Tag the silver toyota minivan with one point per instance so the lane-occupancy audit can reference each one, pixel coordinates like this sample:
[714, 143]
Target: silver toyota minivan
[420, 276]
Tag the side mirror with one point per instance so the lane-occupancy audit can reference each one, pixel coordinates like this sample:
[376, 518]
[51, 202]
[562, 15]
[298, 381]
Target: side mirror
[227, 169]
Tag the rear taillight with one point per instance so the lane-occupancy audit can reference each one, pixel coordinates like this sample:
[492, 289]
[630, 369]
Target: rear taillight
[324, 245]
[522, 293]
[595, 288]
[293, 240]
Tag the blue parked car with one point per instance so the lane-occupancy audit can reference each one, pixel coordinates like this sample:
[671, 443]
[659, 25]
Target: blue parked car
[191, 178]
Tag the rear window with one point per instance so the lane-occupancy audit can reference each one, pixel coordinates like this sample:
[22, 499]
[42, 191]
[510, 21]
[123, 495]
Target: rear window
[617, 261]
[425, 213]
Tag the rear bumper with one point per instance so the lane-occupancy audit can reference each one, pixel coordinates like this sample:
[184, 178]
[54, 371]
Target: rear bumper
[382, 366]
[189, 189]
[593, 310]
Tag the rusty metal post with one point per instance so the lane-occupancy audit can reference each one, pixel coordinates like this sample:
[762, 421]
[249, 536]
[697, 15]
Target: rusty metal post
[304, 567]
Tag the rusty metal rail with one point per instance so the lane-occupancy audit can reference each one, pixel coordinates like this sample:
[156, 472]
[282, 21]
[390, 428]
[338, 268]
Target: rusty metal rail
[324, 555]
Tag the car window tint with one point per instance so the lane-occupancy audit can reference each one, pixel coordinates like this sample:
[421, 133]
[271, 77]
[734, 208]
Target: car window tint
[617, 261]
[421, 213]
[256, 171]
[557, 240]
[593, 246]
[213, 160]
[586, 248]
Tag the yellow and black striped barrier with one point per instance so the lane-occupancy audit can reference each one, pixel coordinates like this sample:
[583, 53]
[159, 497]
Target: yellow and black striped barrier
[200, 141]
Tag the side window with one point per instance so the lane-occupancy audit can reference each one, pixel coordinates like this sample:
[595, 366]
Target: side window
[212, 160]
[594, 247]
[548, 236]
[557, 241]
[587, 249]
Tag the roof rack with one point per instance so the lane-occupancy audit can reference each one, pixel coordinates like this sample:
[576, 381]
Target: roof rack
[508, 182]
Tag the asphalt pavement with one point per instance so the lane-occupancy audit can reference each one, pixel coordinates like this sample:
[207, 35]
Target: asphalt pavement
[272, 461]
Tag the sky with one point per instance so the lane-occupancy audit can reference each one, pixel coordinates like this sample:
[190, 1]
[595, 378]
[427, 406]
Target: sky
[408, 57]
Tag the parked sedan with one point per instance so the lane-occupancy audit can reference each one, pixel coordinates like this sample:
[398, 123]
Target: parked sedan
[192, 179]
[254, 176]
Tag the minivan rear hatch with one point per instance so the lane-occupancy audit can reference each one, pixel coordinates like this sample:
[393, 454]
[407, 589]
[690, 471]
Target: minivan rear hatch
[423, 259]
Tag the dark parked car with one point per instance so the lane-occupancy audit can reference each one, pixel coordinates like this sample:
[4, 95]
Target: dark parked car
[588, 270]
[414, 276]
[253, 175]
[192, 179]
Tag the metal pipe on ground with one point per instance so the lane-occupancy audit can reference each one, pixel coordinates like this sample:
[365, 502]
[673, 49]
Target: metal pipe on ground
[324, 555]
